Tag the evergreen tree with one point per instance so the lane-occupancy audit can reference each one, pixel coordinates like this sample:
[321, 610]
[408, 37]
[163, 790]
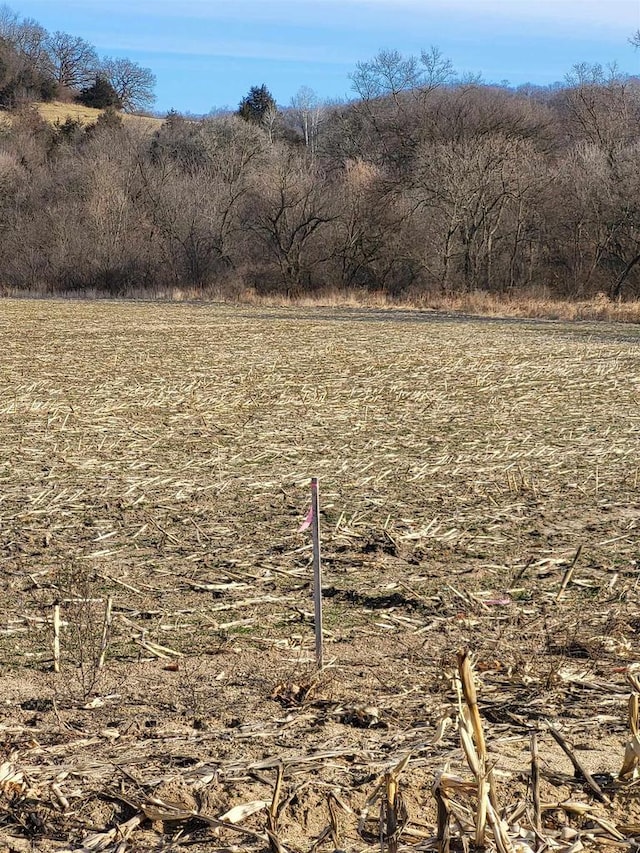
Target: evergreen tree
[101, 95]
[108, 121]
[255, 106]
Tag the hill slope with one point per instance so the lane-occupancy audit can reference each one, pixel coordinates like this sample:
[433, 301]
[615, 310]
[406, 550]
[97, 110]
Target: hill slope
[53, 111]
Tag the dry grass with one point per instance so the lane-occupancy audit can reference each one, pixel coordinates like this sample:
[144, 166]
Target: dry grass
[475, 303]
[160, 454]
[522, 305]
[58, 111]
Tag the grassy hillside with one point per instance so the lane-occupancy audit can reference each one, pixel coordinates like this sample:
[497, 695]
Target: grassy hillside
[58, 111]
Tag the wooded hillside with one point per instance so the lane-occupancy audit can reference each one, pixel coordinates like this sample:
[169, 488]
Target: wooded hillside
[424, 183]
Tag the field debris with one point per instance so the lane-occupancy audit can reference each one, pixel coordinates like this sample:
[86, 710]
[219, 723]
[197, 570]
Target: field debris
[480, 493]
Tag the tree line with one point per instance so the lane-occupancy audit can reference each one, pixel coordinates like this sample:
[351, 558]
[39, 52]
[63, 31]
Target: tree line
[36, 65]
[423, 183]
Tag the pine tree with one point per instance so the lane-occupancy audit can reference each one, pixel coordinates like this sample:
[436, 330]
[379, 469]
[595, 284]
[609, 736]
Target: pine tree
[101, 95]
[257, 104]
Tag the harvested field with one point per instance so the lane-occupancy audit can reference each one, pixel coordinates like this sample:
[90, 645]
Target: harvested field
[479, 488]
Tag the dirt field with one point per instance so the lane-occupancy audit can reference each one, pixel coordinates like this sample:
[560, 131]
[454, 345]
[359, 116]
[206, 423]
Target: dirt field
[479, 488]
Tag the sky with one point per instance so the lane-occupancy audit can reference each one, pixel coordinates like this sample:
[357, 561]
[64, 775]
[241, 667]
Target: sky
[206, 54]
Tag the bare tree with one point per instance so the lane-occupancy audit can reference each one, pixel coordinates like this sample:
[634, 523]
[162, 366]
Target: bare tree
[31, 41]
[289, 209]
[269, 120]
[9, 23]
[601, 105]
[133, 83]
[74, 61]
[195, 188]
[475, 193]
[26, 36]
[25, 68]
[395, 92]
[388, 74]
[309, 112]
[599, 223]
[438, 70]
[366, 237]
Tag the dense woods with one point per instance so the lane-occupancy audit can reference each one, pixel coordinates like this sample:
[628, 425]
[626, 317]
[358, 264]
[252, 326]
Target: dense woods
[422, 184]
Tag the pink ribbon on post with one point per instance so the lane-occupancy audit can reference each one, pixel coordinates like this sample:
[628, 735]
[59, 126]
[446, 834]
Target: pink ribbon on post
[306, 524]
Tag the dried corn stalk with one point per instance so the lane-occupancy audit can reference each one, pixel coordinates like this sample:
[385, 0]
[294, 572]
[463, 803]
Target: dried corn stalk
[629, 770]
[393, 812]
[475, 750]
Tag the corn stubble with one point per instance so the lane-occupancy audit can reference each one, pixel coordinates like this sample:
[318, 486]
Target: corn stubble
[480, 484]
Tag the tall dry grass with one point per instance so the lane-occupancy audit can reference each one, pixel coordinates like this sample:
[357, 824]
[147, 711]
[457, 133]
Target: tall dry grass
[475, 303]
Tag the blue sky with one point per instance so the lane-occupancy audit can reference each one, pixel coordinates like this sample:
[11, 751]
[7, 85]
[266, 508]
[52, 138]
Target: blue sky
[207, 53]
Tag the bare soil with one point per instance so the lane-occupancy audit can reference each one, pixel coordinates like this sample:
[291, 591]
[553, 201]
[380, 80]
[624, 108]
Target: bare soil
[479, 489]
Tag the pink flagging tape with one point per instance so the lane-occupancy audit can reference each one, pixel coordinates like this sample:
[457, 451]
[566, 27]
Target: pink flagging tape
[306, 524]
